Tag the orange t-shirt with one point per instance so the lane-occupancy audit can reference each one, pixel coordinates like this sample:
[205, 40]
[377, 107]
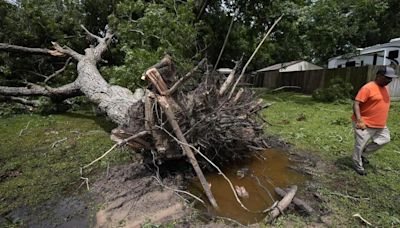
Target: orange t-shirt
[374, 105]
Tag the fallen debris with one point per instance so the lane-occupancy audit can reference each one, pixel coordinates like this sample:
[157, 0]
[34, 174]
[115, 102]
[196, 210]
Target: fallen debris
[190, 120]
[357, 215]
[283, 204]
[296, 201]
[241, 191]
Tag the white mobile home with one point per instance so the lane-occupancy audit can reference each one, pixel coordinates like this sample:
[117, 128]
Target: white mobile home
[381, 54]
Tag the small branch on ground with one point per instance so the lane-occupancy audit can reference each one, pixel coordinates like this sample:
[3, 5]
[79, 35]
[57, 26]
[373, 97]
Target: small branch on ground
[85, 181]
[272, 207]
[24, 129]
[177, 190]
[355, 198]
[285, 87]
[357, 215]
[54, 144]
[120, 143]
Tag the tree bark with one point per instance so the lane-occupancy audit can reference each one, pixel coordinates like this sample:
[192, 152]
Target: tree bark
[39, 51]
[185, 147]
[283, 204]
[114, 101]
[296, 201]
[63, 92]
[204, 117]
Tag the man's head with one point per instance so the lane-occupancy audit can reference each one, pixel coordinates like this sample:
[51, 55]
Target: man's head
[385, 75]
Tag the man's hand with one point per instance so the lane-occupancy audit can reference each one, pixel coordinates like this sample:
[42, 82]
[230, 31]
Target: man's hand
[360, 125]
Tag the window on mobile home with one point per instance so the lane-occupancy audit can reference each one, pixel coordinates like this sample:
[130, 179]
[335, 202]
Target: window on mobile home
[393, 54]
[350, 63]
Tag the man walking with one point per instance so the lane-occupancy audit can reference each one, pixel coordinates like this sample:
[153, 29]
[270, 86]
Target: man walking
[371, 108]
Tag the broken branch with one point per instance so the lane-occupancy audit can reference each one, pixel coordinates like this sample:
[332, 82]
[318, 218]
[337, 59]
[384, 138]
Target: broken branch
[225, 41]
[54, 144]
[215, 166]
[254, 53]
[34, 103]
[188, 152]
[283, 204]
[296, 201]
[37, 51]
[122, 142]
[58, 71]
[99, 39]
[26, 128]
[185, 78]
[229, 80]
[357, 215]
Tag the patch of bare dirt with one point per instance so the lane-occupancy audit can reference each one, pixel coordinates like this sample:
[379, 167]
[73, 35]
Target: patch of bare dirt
[133, 197]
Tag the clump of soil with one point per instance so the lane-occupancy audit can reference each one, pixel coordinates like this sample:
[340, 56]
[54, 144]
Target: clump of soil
[132, 196]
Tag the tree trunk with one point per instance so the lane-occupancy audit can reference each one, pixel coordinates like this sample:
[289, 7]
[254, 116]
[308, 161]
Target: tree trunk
[204, 119]
[114, 101]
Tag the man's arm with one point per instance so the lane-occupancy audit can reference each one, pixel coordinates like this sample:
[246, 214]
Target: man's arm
[359, 122]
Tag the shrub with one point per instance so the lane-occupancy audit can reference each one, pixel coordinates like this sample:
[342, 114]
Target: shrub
[338, 90]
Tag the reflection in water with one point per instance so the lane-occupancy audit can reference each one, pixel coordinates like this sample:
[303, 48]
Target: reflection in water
[258, 177]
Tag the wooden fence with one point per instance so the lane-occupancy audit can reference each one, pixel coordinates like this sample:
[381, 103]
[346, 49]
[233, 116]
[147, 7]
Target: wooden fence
[310, 80]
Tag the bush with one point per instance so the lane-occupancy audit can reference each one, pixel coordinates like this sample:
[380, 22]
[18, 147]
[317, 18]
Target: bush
[11, 109]
[338, 90]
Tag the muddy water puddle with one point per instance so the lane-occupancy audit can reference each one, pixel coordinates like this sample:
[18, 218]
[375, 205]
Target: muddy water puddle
[258, 176]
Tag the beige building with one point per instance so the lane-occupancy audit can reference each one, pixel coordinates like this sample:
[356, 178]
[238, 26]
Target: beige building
[299, 65]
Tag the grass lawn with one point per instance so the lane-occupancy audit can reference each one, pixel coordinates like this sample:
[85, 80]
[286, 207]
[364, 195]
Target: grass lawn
[325, 129]
[41, 156]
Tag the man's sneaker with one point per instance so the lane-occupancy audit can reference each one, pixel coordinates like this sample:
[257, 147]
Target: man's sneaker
[361, 172]
[364, 160]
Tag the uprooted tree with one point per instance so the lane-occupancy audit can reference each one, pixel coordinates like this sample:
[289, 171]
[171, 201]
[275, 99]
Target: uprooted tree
[210, 123]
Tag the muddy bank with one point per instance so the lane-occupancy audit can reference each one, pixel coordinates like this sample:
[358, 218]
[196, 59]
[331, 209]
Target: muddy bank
[129, 196]
[126, 196]
[70, 211]
[132, 197]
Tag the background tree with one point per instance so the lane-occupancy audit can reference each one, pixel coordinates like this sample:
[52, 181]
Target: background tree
[145, 31]
[334, 27]
[388, 22]
[36, 23]
[252, 19]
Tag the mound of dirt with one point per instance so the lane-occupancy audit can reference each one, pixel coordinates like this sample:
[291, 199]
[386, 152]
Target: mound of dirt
[132, 196]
